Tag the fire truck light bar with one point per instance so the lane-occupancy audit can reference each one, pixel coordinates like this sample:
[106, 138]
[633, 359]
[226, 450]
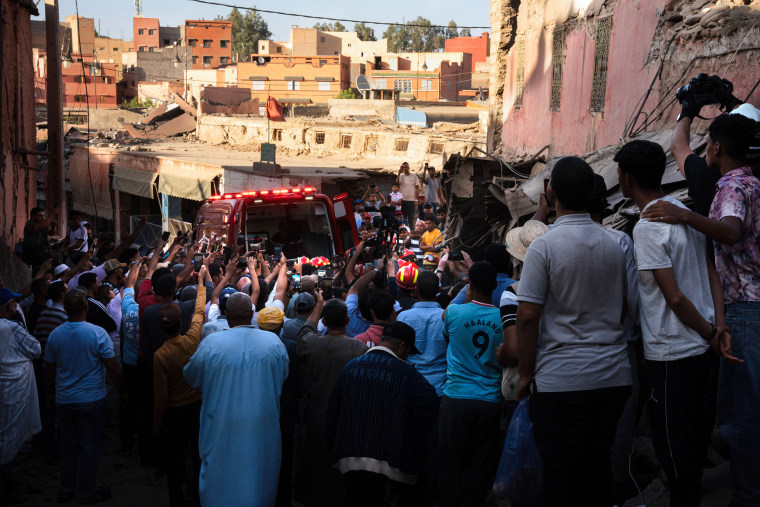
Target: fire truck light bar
[279, 192]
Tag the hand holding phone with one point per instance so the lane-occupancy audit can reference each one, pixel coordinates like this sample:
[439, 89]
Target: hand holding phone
[297, 282]
[197, 262]
[165, 236]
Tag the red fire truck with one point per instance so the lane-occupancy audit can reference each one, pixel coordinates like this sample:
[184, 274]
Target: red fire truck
[299, 220]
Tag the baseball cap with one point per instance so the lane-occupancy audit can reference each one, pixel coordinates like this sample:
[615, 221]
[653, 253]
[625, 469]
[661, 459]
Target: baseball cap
[400, 331]
[224, 296]
[112, 264]
[305, 301]
[189, 292]
[358, 201]
[270, 318]
[7, 295]
[59, 269]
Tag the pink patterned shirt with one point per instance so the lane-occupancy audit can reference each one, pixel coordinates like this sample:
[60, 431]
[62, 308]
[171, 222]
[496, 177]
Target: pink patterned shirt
[739, 265]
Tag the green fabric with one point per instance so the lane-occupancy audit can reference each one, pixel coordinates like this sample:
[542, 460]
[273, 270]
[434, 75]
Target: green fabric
[33, 239]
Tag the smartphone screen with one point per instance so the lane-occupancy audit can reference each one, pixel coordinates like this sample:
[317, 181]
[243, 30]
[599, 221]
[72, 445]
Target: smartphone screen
[297, 282]
[277, 252]
[197, 261]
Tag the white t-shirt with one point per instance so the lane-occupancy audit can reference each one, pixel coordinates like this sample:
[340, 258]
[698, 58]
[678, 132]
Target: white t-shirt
[395, 198]
[76, 235]
[660, 246]
[407, 184]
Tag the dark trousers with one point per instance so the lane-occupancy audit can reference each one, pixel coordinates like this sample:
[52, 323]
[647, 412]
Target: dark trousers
[676, 402]
[574, 431]
[368, 489]
[409, 209]
[146, 448]
[128, 413]
[179, 432]
[468, 450]
[79, 428]
[46, 438]
[285, 486]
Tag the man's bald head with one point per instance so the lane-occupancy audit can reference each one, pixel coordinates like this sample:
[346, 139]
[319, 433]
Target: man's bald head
[239, 310]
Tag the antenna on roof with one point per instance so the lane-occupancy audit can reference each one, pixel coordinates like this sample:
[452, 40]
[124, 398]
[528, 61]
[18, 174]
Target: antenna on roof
[138, 8]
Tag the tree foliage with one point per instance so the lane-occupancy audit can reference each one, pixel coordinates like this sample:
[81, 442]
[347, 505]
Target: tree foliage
[465, 32]
[419, 36]
[247, 30]
[364, 32]
[330, 27]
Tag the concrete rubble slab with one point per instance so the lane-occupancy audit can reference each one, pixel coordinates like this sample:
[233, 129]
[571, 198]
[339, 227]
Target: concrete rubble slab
[221, 96]
[181, 103]
[156, 113]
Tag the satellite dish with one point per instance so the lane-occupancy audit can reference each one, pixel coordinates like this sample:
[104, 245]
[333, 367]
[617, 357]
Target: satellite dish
[261, 60]
[364, 83]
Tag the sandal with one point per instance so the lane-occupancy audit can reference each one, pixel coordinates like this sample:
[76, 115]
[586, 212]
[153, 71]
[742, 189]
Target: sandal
[65, 496]
[100, 495]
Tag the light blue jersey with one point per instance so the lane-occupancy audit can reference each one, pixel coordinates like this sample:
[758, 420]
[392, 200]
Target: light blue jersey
[474, 332]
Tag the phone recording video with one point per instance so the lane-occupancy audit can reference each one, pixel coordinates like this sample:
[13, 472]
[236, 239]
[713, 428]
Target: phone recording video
[297, 282]
[197, 261]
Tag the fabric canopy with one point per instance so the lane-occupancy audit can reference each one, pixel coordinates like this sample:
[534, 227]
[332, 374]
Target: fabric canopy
[187, 184]
[133, 181]
[89, 185]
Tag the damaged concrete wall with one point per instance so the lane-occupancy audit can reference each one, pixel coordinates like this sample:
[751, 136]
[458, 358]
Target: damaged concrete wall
[503, 32]
[306, 137]
[720, 38]
[342, 108]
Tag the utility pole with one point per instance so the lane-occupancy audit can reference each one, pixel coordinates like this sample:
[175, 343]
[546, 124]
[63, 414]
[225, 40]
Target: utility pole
[56, 192]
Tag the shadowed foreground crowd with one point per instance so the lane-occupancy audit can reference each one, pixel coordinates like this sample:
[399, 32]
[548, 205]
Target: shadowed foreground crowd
[385, 379]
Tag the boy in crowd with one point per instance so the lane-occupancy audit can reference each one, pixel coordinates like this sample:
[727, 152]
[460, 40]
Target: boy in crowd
[682, 315]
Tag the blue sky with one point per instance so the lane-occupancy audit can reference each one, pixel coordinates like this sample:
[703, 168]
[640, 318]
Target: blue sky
[116, 15]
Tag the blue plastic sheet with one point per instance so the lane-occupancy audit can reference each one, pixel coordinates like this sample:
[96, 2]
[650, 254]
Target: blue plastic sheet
[519, 477]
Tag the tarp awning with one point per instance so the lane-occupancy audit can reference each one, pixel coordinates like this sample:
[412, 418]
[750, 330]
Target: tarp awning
[89, 186]
[187, 184]
[133, 181]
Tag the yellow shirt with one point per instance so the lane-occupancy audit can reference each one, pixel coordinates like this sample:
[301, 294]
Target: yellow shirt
[430, 237]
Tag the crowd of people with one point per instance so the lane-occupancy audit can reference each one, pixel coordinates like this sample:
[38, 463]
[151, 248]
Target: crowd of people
[388, 377]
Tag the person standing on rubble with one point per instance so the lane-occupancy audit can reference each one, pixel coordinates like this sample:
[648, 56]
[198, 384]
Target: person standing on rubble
[410, 191]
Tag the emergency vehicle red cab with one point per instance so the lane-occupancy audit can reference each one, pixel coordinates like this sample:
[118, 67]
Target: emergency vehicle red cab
[298, 219]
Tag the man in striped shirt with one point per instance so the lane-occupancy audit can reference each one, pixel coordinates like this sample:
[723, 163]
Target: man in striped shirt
[49, 319]
[53, 316]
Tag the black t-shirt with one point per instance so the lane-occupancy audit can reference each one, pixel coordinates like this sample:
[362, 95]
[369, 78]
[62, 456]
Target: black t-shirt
[152, 334]
[98, 315]
[701, 181]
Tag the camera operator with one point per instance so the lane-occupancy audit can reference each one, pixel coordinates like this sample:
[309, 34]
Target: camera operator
[701, 179]
[734, 227]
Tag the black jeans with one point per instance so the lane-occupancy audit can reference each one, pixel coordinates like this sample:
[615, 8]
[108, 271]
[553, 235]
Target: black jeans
[409, 209]
[79, 428]
[574, 431]
[128, 413]
[677, 406]
[468, 450]
[179, 431]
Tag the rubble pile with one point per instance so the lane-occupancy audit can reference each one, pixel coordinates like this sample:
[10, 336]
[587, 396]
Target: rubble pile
[174, 118]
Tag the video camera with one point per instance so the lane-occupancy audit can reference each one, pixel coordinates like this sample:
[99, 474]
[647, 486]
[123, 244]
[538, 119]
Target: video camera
[704, 89]
[386, 227]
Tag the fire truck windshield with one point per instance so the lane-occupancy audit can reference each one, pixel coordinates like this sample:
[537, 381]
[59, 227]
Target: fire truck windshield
[302, 228]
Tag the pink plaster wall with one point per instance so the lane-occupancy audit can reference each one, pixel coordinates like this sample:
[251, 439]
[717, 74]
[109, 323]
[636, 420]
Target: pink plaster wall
[575, 130]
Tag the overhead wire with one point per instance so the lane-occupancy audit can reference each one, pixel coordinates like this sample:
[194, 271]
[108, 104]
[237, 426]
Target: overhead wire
[309, 16]
[87, 101]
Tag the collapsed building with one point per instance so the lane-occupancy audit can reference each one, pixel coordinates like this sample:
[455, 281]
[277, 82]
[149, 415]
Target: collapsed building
[581, 77]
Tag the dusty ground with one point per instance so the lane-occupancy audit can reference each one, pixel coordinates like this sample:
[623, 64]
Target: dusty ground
[134, 486]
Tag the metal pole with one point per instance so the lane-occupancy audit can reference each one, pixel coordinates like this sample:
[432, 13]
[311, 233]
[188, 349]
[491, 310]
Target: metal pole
[56, 192]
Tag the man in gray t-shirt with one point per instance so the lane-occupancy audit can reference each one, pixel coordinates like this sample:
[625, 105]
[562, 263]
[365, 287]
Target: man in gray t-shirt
[682, 314]
[569, 326]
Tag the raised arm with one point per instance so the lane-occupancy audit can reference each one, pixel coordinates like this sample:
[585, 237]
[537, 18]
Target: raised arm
[154, 258]
[255, 287]
[679, 143]
[353, 260]
[363, 282]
